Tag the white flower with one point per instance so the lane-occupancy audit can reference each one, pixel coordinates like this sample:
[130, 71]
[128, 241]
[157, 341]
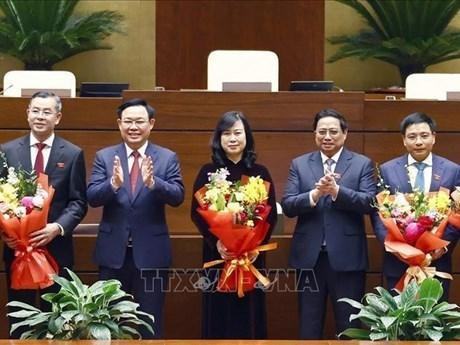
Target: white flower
[12, 177]
[20, 211]
[235, 207]
[38, 201]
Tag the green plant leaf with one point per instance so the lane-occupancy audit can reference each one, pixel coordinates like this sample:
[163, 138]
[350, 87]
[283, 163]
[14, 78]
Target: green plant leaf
[351, 302]
[434, 335]
[77, 315]
[431, 288]
[409, 294]
[388, 321]
[378, 336]
[99, 331]
[408, 34]
[356, 333]
[22, 305]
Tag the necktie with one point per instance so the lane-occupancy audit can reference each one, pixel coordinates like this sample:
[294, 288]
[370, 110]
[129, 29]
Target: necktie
[329, 162]
[420, 178]
[39, 163]
[135, 169]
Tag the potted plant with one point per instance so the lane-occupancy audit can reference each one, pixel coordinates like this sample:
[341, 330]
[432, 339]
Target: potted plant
[414, 314]
[41, 33]
[411, 35]
[101, 311]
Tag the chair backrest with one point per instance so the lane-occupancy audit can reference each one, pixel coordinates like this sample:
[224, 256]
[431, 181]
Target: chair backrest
[431, 85]
[247, 70]
[26, 83]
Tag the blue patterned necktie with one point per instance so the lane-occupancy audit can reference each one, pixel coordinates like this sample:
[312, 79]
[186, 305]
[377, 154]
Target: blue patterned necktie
[329, 162]
[420, 178]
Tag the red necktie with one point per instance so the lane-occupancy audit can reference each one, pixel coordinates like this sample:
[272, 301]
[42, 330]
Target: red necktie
[39, 164]
[134, 170]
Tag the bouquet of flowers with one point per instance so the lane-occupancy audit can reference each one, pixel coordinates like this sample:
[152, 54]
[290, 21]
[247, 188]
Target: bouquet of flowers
[236, 213]
[24, 206]
[415, 224]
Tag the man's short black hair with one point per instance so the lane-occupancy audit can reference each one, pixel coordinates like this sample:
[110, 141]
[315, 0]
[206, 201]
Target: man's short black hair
[329, 112]
[414, 118]
[135, 102]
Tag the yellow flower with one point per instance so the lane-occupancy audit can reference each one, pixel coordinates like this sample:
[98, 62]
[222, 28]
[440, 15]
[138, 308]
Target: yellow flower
[440, 202]
[255, 191]
[8, 195]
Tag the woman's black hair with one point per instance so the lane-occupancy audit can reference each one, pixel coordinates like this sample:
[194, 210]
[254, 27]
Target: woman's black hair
[227, 120]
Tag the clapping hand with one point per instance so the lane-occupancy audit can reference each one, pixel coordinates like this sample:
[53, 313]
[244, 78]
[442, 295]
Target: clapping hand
[327, 185]
[147, 172]
[117, 174]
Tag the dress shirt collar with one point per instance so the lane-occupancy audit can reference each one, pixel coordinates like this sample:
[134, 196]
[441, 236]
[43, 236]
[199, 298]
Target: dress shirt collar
[428, 160]
[48, 141]
[141, 150]
[334, 157]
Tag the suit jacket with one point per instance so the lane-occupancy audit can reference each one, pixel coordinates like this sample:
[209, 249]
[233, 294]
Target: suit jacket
[339, 222]
[67, 174]
[394, 174]
[141, 215]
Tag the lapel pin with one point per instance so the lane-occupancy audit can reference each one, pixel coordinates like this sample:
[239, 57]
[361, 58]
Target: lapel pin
[437, 177]
[60, 165]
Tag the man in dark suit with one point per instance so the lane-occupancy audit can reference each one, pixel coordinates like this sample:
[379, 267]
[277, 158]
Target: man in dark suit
[400, 174]
[64, 164]
[329, 191]
[134, 181]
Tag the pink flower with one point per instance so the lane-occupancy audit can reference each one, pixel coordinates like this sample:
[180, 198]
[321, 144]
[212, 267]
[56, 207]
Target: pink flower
[27, 202]
[412, 232]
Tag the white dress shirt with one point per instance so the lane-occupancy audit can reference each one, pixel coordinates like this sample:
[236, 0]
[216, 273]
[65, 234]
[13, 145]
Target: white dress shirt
[45, 151]
[427, 172]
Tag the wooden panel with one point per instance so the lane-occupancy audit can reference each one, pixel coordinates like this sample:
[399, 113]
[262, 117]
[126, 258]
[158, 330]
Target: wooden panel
[381, 115]
[190, 30]
[382, 147]
[288, 111]
[78, 113]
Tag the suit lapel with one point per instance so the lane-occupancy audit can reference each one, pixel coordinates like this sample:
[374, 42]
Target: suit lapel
[316, 166]
[120, 151]
[343, 164]
[55, 156]
[436, 173]
[402, 175]
[24, 158]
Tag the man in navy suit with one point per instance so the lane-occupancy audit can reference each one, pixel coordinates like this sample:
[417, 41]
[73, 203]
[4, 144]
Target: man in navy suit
[64, 164]
[329, 191]
[134, 181]
[400, 174]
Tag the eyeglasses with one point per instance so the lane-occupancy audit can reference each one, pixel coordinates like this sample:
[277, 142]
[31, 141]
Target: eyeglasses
[137, 123]
[332, 132]
[44, 112]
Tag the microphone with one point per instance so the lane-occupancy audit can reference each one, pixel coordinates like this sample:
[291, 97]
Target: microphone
[5, 89]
